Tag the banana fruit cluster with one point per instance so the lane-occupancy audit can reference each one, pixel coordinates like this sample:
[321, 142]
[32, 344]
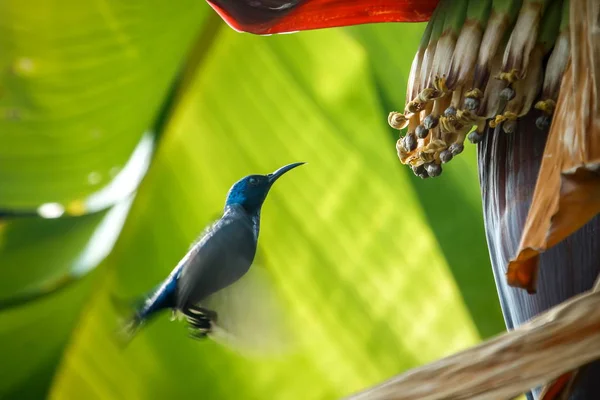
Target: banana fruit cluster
[480, 64]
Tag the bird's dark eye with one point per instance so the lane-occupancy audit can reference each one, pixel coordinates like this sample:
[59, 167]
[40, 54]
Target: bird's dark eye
[253, 181]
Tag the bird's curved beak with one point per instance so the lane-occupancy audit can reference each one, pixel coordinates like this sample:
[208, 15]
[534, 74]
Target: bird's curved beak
[277, 174]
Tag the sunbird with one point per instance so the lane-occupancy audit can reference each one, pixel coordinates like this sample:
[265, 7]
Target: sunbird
[221, 256]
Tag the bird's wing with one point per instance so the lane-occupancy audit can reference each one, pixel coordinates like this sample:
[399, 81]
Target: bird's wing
[221, 257]
[251, 317]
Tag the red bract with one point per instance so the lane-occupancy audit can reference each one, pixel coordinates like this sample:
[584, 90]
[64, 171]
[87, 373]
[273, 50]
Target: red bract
[265, 17]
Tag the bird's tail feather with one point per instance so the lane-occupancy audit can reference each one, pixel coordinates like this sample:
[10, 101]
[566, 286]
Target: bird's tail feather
[130, 320]
[128, 329]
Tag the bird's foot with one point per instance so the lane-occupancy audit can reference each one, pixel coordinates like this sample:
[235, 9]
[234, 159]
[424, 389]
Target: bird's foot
[200, 321]
[204, 312]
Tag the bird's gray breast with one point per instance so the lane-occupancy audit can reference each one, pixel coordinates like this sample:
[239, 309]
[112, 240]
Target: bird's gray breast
[221, 257]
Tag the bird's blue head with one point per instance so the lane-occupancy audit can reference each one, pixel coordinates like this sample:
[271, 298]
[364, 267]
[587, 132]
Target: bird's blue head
[251, 191]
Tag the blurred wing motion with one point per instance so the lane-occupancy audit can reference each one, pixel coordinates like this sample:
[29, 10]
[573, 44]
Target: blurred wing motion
[251, 318]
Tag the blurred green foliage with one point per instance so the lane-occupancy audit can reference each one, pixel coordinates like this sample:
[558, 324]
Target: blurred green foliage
[378, 271]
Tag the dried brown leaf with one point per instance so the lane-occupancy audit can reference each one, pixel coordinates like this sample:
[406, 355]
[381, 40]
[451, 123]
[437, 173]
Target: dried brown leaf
[567, 193]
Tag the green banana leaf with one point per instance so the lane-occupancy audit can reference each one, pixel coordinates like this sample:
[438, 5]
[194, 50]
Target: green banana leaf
[377, 271]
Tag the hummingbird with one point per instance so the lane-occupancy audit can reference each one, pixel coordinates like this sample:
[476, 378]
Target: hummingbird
[219, 258]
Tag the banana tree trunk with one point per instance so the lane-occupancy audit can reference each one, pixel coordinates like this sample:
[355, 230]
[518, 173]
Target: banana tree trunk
[508, 168]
